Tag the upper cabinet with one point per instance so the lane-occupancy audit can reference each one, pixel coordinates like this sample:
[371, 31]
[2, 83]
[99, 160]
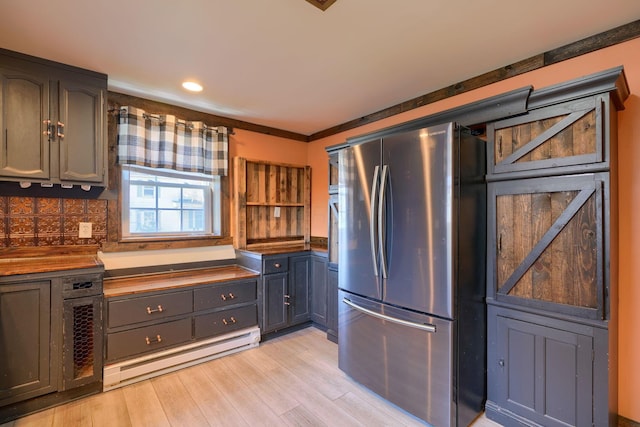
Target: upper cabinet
[52, 122]
[559, 138]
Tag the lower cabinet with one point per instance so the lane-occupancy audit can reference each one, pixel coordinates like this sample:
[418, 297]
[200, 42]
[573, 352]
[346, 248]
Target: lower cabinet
[50, 339]
[28, 360]
[286, 294]
[146, 322]
[319, 296]
[276, 302]
[332, 302]
[544, 371]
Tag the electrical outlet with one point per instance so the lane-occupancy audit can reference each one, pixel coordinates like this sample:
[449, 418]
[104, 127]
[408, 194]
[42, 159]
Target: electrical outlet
[84, 230]
[276, 212]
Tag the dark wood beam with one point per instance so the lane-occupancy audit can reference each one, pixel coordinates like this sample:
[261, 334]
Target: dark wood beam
[599, 41]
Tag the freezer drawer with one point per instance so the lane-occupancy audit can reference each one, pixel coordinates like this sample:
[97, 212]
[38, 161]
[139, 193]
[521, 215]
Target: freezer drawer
[407, 365]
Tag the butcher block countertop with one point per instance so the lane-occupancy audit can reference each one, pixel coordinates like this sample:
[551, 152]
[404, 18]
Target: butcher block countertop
[285, 249]
[174, 279]
[46, 264]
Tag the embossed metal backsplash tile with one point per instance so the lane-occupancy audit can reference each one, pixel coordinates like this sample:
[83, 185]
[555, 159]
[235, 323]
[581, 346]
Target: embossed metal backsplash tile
[38, 221]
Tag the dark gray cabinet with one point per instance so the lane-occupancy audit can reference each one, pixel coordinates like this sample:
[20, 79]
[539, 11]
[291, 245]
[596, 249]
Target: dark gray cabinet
[332, 303]
[543, 369]
[142, 323]
[276, 302]
[50, 339]
[551, 278]
[286, 291]
[28, 357]
[53, 122]
[319, 291]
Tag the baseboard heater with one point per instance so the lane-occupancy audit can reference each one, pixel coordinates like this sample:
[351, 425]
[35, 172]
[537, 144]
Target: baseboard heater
[149, 366]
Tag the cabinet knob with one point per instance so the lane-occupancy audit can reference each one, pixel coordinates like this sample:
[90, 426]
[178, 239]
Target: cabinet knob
[501, 363]
[277, 265]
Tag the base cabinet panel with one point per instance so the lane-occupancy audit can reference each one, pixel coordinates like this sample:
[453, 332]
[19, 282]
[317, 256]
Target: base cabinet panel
[26, 357]
[542, 370]
[276, 305]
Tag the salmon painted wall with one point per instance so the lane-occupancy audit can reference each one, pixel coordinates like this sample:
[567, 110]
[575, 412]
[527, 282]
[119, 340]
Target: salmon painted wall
[625, 54]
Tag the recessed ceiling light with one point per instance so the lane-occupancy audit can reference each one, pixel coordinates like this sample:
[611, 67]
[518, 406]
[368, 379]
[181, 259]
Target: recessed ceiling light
[192, 86]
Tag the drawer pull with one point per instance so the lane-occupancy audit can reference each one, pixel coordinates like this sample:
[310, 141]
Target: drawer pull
[277, 265]
[224, 297]
[150, 341]
[157, 310]
[231, 321]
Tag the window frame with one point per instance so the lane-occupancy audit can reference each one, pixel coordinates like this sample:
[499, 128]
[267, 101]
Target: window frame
[214, 215]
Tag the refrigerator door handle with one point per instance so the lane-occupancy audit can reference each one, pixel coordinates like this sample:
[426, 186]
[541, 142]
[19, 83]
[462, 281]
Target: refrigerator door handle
[421, 326]
[372, 219]
[382, 235]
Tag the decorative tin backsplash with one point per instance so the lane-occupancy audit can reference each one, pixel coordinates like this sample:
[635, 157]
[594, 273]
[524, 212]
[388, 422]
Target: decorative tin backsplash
[38, 221]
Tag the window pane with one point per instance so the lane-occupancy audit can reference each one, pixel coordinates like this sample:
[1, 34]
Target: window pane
[193, 198]
[193, 221]
[142, 196]
[169, 197]
[160, 202]
[142, 221]
[168, 221]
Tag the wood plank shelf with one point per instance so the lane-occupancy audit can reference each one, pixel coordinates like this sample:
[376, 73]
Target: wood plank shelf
[272, 203]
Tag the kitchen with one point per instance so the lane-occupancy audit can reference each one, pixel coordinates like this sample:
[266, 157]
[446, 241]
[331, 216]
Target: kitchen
[284, 148]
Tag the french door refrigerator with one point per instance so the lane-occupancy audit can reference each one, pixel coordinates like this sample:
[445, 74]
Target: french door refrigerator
[412, 224]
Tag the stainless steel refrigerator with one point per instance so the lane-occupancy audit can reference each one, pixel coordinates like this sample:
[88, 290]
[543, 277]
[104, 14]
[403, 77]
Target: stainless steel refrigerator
[412, 233]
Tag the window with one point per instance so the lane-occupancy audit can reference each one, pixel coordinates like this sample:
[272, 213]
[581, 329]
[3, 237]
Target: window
[166, 203]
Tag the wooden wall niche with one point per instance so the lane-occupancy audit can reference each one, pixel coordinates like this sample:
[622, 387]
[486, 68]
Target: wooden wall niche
[272, 203]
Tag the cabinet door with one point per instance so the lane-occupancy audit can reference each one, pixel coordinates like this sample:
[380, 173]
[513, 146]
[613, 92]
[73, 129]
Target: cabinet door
[319, 290]
[24, 114]
[541, 373]
[332, 304]
[25, 352]
[82, 345]
[548, 246]
[333, 229]
[563, 138]
[81, 131]
[275, 312]
[299, 289]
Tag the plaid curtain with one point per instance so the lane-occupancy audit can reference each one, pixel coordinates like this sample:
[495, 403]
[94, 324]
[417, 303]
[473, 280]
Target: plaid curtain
[162, 141]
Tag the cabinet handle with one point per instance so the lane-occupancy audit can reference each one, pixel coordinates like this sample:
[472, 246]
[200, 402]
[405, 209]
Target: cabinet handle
[277, 265]
[224, 297]
[501, 363]
[500, 243]
[231, 321]
[47, 130]
[286, 301]
[60, 130]
[150, 341]
[500, 146]
[157, 310]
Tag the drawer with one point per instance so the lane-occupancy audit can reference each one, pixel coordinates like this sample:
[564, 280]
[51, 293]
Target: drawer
[223, 295]
[146, 308]
[149, 338]
[275, 265]
[225, 321]
[82, 286]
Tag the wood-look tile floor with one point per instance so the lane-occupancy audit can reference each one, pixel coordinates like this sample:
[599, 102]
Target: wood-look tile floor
[292, 380]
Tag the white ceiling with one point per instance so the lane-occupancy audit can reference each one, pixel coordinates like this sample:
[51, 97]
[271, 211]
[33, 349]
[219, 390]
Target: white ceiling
[289, 65]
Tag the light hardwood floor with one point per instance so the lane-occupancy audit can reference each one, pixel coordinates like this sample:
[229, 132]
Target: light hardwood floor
[292, 380]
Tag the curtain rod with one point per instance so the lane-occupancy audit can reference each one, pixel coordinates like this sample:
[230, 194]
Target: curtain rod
[117, 110]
